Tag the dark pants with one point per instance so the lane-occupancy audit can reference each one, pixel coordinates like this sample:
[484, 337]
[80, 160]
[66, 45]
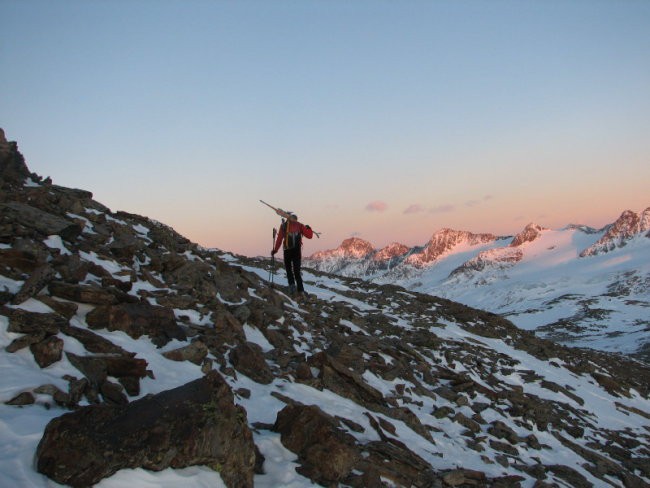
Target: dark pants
[292, 259]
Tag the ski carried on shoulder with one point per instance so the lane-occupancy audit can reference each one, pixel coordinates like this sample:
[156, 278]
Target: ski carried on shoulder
[287, 215]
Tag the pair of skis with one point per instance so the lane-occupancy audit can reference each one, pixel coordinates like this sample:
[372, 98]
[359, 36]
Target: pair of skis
[287, 215]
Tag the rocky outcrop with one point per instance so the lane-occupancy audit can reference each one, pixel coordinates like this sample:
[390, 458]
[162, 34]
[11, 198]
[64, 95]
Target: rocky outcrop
[530, 233]
[13, 170]
[499, 258]
[197, 423]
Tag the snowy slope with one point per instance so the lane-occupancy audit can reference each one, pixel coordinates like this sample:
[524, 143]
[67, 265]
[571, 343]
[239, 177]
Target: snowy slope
[450, 446]
[577, 285]
[599, 301]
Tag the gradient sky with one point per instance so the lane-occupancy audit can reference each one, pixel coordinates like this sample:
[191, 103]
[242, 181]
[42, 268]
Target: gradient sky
[386, 120]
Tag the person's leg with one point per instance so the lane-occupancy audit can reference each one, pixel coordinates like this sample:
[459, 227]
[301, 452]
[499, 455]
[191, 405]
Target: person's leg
[296, 270]
[288, 266]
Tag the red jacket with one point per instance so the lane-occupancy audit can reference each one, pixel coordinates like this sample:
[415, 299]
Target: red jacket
[294, 230]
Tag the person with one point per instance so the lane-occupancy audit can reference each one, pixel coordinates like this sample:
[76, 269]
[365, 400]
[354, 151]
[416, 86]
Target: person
[290, 238]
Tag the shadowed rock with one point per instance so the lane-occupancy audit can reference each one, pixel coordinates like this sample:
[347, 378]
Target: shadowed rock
[42, 222]
[194, 424]
[137, 319]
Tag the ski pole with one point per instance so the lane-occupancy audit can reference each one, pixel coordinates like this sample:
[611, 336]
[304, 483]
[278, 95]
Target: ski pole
[272, 270]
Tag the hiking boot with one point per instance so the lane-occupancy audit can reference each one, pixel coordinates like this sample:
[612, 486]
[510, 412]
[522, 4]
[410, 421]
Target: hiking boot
[292, 289]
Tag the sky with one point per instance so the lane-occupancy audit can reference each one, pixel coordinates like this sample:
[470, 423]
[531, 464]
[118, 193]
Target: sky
[385, 120]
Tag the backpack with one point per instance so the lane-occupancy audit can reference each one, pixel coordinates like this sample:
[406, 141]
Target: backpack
[292, 240]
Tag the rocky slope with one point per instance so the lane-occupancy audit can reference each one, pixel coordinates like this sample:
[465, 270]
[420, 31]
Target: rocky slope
[151, 352]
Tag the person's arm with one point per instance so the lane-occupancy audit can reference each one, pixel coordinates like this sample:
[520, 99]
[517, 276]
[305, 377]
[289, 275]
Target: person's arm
[278, 240]
[306, 231]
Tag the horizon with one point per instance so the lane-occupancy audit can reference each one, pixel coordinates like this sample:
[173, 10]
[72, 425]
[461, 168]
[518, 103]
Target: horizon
[380, 120]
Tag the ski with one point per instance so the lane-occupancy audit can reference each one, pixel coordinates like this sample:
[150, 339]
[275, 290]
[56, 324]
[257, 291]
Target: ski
[286, 215]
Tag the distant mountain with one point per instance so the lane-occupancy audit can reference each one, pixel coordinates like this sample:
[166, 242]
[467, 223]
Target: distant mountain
[577, 285]
[357, 257]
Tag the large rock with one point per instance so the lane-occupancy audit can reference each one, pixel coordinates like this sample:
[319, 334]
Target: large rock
[25, 322]
[44, 223]
[247, 358]
[194, 352]
[82, 293]
[48, 351]
[34, 284]
[93, 342]
[194, 424]
[138, 319]
[326, 452]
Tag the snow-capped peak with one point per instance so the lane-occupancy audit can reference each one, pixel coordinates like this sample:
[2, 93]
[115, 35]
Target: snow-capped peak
[392, 250]
[626, 227]
[443, 241]
[352, 247]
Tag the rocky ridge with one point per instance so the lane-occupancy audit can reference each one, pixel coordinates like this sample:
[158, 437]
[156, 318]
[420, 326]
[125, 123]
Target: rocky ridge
[366, 384]
[357, 257]
[626, 227]
[443, 242]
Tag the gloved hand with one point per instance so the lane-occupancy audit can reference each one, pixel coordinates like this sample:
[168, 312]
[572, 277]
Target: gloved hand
[308, 227]
[273, 251]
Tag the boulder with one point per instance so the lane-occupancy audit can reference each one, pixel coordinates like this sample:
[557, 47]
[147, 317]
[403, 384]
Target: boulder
[194, 352]
[92, 294]
[194, 424]
[63, 308]
[138, 319]
[25, 322]
[128, 371]
[25, 341]
[24, 398]
[21, 261]
[48, 351]
[44, 223]
[37, 280]
[93, 342]
[326, 452]
[247, 358]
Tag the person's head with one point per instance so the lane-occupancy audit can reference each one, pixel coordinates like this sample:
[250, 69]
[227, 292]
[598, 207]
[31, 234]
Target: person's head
[293, 217]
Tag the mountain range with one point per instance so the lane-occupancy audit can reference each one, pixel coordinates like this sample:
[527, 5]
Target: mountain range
[577, 285]
[131, 356]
